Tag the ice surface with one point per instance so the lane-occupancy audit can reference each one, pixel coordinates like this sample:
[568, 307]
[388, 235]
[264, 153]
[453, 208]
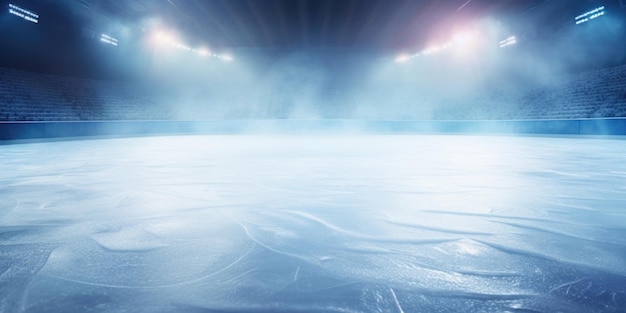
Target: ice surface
[359, 223]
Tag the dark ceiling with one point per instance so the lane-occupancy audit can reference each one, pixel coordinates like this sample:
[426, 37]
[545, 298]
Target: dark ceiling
[361, 24]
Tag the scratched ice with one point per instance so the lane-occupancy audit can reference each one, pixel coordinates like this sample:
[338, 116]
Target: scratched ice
[363, 223]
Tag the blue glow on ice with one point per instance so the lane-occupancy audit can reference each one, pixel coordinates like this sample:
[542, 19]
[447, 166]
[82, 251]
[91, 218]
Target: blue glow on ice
[349, 223]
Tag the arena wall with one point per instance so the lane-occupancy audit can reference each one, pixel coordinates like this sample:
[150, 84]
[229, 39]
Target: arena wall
[42, 130]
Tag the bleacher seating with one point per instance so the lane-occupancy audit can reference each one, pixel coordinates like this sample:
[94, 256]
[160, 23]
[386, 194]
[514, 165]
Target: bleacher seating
[592, 94]
[26, 96]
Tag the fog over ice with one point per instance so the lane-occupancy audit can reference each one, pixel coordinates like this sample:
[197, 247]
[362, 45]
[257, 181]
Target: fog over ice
[472, 78]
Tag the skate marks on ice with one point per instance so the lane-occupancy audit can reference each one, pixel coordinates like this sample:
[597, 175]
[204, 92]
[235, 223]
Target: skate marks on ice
[313, 223]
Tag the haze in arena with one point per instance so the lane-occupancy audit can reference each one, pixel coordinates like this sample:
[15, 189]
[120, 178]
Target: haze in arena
[312, 156]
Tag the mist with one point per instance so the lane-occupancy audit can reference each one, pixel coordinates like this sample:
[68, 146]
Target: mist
[473, 80]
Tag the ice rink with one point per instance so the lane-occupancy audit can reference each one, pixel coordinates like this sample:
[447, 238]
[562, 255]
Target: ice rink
[314, 223]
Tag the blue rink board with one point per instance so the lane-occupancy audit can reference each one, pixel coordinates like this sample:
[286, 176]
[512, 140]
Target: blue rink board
[34, 130]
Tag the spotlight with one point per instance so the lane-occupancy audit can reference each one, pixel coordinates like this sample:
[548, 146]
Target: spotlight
[402, 58]
[590, 15]
[23, 13]
[432, 49]
[203, 52]
[104, 38]
[162, 38]
[508, 41]
[462, 38]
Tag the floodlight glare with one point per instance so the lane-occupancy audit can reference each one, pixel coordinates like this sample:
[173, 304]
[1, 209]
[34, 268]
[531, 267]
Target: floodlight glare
[511, 40]
[165, 39]
[23, 13]
[589, 15]
[162, 37]
[203, 52]
[459, 43]
[402, 58]
[433, 49]
[462, 42]
[104, 38]
[462, 38]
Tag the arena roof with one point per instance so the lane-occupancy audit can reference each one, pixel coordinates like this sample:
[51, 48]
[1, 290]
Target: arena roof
[368, 24]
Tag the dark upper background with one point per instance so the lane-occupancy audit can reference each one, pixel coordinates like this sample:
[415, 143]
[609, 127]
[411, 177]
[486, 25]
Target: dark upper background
[65, 41]
[303, 23]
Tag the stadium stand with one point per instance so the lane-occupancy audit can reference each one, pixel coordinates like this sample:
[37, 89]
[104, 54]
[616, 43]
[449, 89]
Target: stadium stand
[592, 94]
[26, 96]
